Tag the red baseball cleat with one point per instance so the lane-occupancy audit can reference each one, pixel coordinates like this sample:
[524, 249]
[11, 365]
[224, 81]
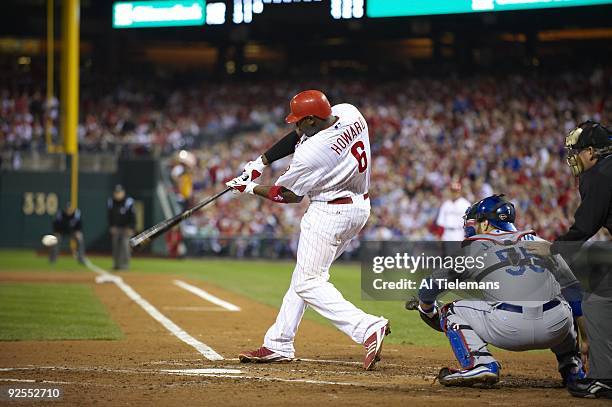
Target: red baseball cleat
[262, 355]
[373, 347]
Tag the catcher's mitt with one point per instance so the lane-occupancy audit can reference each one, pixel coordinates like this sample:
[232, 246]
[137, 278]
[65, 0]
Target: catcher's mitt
[433, 321]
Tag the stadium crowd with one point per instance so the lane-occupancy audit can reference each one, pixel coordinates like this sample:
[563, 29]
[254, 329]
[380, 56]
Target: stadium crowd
[493, 134]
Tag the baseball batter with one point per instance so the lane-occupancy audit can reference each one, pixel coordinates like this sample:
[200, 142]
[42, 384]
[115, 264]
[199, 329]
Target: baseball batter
[331, 165]
[533, 307]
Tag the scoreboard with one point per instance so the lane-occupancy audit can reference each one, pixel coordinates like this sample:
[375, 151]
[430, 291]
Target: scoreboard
[169, 13]
[165, 13]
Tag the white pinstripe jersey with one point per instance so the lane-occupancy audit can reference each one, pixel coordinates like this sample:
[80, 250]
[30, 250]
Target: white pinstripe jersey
[333, 163]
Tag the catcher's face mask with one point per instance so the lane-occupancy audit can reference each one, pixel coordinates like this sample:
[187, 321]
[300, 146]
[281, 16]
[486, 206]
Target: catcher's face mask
[573, 154]
[469, 222]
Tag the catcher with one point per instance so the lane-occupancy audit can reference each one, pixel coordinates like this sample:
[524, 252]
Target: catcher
[534, 307]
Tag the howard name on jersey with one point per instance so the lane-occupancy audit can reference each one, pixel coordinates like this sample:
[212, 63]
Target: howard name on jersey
[334, 163]
[348, 135]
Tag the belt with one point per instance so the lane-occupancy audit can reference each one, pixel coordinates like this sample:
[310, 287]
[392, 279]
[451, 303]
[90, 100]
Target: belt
[517, 308]
[346, 200]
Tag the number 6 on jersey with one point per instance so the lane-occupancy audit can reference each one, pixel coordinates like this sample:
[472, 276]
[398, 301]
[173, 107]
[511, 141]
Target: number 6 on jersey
[359, 152]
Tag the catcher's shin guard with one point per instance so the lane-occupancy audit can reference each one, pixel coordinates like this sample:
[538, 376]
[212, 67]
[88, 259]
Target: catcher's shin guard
[570, 367]
[469, 349]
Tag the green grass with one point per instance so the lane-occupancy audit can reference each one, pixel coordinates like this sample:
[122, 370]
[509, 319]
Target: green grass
[52, 312]
[28, 260]
[262, 281]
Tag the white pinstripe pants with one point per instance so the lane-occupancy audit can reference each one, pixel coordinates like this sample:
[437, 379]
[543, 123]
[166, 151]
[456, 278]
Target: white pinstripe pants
[326, 231]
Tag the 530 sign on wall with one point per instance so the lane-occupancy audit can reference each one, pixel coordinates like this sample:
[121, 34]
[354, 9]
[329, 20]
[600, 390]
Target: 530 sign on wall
[39, 203]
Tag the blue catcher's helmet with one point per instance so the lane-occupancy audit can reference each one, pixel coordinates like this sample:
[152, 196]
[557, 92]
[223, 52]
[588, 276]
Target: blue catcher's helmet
[496, 209]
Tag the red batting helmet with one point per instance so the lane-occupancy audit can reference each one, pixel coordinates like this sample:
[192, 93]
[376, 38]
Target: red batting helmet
[309, 103]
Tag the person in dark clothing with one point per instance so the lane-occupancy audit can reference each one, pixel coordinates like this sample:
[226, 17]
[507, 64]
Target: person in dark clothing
[68, 223]
[590, 157]
[121, 223]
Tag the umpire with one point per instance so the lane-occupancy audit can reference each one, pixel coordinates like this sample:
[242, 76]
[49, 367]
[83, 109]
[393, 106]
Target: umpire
[589, 148]
[121, 222]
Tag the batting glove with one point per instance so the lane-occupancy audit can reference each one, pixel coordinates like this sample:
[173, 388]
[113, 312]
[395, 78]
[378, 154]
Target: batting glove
[253, 169]
[241, 184]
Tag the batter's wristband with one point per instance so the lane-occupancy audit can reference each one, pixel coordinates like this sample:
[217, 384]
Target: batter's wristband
[283, 147]
[275, 194]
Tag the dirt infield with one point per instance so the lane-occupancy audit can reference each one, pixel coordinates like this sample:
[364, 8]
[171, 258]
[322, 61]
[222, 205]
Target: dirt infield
[152, 366]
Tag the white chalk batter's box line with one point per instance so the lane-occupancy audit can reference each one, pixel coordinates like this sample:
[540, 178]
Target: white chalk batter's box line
[32, 381]
[207, 296]
[193, 309]
[205, 350]
[296, 362]
[329, 361]
[235, 374]
[324, 361]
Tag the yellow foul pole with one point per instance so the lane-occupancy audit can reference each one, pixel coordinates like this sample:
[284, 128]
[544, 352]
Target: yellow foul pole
[50, 73]
[70, 90]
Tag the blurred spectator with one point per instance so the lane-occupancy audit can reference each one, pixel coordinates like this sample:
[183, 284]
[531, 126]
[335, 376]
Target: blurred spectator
[450, 216]
[121, 222]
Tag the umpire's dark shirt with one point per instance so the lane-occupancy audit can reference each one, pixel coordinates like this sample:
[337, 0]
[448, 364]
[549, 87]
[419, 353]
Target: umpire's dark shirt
[66, 224]
[121, 213]
[594, 212]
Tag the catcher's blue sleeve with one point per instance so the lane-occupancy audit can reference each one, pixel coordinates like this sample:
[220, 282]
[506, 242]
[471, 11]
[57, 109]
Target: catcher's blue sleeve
[573, 295]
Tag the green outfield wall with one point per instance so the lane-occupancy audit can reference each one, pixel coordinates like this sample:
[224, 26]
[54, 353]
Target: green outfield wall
[29, 200]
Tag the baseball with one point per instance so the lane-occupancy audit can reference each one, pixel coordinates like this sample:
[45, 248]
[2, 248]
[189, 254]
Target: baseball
[49, 240]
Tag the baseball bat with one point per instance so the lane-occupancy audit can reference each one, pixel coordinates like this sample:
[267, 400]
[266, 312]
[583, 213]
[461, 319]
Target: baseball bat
[164, 226]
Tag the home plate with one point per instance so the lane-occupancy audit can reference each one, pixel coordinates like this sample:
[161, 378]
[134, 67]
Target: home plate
[202, 372]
